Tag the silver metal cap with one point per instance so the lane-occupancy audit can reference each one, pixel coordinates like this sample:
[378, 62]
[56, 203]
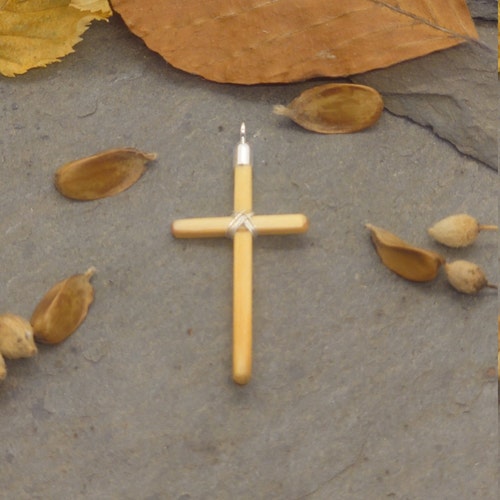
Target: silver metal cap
[243, 153]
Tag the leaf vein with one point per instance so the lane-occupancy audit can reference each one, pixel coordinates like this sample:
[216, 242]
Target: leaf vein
[425, 21]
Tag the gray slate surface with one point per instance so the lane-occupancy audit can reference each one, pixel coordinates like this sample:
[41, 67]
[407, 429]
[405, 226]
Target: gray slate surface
[365, 385]
[484, 9]
[452, 91]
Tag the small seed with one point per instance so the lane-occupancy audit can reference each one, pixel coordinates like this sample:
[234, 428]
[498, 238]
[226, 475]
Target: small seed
[336, 108]
[63, 308]
[16, 340]
[408, 261]
[103, 174]
[16, 337]
[466, 277]
[458, 230]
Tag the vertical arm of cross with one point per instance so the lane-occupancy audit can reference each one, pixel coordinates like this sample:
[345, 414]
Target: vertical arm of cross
[242, 276]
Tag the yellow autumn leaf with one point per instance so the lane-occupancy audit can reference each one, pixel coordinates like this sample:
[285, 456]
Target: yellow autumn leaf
[34, 33]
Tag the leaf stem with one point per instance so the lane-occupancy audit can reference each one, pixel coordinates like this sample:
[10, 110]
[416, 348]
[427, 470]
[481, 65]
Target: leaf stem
[488, 227]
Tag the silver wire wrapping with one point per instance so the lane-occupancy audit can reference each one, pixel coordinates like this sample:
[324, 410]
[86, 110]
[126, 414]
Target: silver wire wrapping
[241, 219]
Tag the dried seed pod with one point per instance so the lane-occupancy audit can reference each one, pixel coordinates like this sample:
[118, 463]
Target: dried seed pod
[103, 174]
[336, 108]
[63, 308]
[458, 230]
[16, 337]
[410, 262]
[466, 277]
[3, 368]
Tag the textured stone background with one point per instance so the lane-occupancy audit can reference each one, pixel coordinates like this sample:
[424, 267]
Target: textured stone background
[365, 385]
[483, 9]
[450, 92]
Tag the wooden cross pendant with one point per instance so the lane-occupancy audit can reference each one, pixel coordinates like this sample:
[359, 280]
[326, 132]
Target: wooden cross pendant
[242, 226]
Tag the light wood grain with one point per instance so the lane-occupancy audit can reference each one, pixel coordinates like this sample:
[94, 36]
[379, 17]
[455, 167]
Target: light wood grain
[216, 227]
[242, 279]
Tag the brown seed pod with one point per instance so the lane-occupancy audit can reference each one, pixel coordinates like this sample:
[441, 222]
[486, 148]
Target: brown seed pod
[466, 277]
[458, 230]
[63, 308]
[103, 174]
[335, 108]
[408, 261]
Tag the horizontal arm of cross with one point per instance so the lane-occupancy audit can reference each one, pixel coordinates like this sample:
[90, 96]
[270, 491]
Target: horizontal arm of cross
[216, 227]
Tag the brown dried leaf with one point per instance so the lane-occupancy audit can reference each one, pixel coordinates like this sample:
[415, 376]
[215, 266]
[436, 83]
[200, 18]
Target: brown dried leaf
[63, 308]
[259, 41]
[335, 108]
[104, 174]
[410, 262]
